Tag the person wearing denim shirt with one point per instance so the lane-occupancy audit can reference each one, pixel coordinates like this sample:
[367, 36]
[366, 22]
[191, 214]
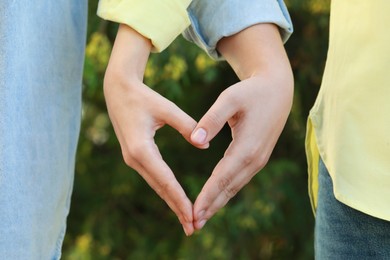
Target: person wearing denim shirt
[41, 62]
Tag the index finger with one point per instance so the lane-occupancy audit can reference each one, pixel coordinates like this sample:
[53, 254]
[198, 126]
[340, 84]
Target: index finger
[242, 160]
[149, 164]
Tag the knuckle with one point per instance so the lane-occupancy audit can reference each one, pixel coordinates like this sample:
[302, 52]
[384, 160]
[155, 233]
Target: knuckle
[250, 157]
[223, 183]
[227, 94]
[214, 119]
[128, 157]
[185, 217]
[224, 186]
[207, 199]
[261, 162]
[182, 218]
[230, 192]
[129, 161]
[255, 159]
[231, 96]
[134, 153]
[164, 188]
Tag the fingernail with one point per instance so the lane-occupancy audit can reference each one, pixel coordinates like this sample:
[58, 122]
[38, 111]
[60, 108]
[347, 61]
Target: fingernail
[185, 231]
[201, 223]
[199, 136]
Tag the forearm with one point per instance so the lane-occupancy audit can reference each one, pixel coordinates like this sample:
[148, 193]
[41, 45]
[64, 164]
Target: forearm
[129, 56]
[256, 109]
[257, 49]
[137, 112]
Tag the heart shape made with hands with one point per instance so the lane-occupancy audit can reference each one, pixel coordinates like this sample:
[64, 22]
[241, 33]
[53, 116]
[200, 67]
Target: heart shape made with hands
[256, 113]
[256, 109]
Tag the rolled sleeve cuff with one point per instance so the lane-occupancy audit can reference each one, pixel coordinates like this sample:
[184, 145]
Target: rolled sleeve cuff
[159, 21]
[213, 20]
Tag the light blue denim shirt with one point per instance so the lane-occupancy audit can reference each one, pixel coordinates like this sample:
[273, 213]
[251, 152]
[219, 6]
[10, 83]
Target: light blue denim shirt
[211, 20]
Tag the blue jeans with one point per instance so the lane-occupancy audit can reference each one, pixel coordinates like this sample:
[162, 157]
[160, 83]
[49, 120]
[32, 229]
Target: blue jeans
[342, 232]
[41, 61]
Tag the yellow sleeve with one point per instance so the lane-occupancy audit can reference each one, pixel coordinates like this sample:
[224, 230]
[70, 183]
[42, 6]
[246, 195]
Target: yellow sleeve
[161, 21]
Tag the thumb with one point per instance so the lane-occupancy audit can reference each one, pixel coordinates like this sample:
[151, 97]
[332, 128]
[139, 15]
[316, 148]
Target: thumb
[213, 121]
[179, 120]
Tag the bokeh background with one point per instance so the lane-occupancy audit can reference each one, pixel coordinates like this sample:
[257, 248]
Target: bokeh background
[115, 215]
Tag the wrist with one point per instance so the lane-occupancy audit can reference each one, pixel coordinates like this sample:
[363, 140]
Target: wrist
[129, 55]
[255, 50]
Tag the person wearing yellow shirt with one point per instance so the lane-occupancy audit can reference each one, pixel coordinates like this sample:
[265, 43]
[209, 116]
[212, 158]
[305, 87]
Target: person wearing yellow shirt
[348, 140]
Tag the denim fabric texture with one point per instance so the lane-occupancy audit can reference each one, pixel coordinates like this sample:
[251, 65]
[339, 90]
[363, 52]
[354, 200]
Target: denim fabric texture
[41, 61]
[342, 232]
[213, 20]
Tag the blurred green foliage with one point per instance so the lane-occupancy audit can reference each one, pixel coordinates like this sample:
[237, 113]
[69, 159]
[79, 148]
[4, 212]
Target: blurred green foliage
[115, 215]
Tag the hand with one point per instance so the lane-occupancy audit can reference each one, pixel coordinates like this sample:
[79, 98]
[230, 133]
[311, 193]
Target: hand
[137, 112]
[256, 110]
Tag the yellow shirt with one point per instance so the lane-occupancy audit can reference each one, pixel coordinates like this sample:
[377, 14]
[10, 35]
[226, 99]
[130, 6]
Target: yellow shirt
[349, 125]
[148, 16]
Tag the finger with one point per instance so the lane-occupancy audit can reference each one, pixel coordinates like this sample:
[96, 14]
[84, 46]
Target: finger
[159, 176]
[212, 122]
[182, 122]
[225, 182]
[242, 160]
